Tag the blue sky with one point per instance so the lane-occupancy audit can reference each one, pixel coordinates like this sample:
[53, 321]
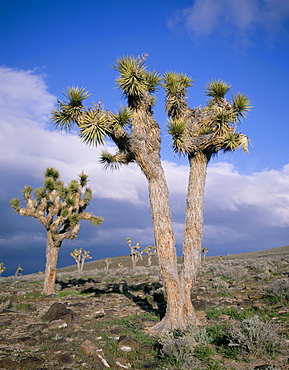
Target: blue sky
[48, 45]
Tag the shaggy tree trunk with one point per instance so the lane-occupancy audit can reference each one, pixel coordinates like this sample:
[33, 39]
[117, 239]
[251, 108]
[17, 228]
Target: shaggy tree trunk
[180, 312]
[52, 250]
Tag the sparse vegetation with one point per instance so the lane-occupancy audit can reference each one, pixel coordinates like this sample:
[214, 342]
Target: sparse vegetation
[240, 331]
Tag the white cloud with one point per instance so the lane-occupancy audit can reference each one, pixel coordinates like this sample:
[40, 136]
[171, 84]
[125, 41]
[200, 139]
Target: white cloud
[266, 191]
[209, 16]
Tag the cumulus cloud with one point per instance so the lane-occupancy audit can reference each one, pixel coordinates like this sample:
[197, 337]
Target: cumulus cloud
[266, 192]
[210, 16]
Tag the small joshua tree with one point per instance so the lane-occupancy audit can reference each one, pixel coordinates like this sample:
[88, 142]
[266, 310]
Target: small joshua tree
[150, 251]
[2, 268]
[205, 250]
[80, 257]
[18, 271]
[107, 263]
[134, 253]
[59, 209]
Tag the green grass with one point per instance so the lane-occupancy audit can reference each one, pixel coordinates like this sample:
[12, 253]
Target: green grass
[215, 313]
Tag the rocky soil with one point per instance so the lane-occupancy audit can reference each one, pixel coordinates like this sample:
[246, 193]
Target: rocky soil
[98, 318]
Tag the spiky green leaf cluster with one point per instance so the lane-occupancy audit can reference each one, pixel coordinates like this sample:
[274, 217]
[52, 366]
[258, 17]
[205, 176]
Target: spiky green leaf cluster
[176, 86]
[87, 196]
[94, 129]
[27, 192]
[15, 204]
[68, 112]
[95, 220]
[176, 128]
[177, 83]
[109, 161]
[133, 78]
[242, 105]
[122, 119]
[51, 172]
[83, 179]
[74, 218]
[217, 89]
[73, 187]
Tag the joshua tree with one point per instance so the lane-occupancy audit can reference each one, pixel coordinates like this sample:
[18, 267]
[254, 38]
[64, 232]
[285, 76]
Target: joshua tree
[150, 251]
[205, 250]
[80, 257]
[197, 133]
[2, 268]
[18, 271]
[107, 263]
[60, 210]
[134, 253]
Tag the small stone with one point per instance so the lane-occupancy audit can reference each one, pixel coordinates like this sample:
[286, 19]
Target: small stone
[224, 317]
[63, 359]
[127, 344]
[255, 297]
[201, 315]
[98, 314]
[122, 363]
[89, 347]
[57, 324]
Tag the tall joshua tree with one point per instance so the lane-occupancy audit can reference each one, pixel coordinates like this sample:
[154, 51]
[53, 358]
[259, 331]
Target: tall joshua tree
[60, 210]
[138, 139]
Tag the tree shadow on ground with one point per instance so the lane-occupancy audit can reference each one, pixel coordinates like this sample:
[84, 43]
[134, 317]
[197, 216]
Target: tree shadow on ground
[152, 298]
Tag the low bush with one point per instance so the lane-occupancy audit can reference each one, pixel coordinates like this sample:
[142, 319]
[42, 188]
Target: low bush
[255, 337]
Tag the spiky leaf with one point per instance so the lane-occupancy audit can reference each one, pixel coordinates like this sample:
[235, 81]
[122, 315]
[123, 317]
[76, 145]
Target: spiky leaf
[15, 204]
[109, 161]
[52, 172]
[176, 128]
[217, 89]
[242, 105]
[27, 192]
[94, 129]
[69, 111]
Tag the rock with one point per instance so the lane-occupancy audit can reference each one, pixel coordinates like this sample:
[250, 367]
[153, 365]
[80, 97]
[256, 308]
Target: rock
[224, 317]
[89, 347]
[59, 311]
[63, 359]
[36, 327]
[7, 363]
[122, 363]
[31, 362]
[57, 324]
[97, 314]
[201, 315]
[126, 343]
[92, 349]
[28, 341]
[255, 297]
